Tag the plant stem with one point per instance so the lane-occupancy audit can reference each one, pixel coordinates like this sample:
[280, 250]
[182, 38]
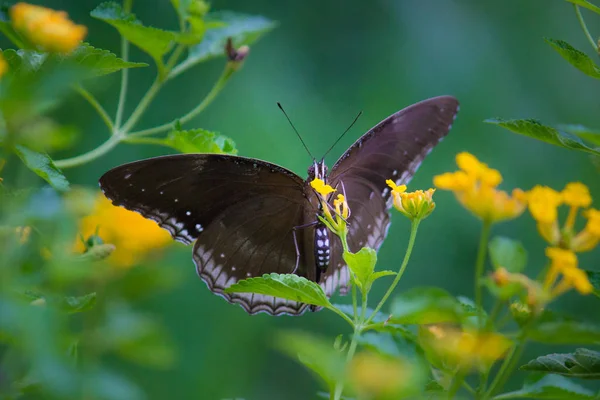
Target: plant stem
[142, 105]
[411, 242]
[210, 96]
[480, 266]
[124, 80]
[90, 155]
[339, 387]
[456, 383]
[94, 103]
[584, 27]
[509, 363]
[343, 315]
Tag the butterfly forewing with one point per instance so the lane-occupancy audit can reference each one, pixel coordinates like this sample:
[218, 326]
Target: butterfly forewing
[242, 211]
[393, 149]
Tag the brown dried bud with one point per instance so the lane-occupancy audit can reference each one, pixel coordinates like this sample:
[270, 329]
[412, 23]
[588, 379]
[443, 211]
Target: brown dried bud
[236, 55]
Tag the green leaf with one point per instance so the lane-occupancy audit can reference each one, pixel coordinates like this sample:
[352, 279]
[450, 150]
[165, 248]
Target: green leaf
[507, 253]
[380, 342]
[156, 42]
[315, 353]
[566, 332]
[553, 387]
[362, 264]
[584, 363]
[591, 135]
[42, 165]
[594, 278]
[428, 305]
[536, 130]
[23, 61]
[200, 141]
[241, 28]
[78, 304]
[98, 61]
[576, 58]
[586, 4]
[285, 286]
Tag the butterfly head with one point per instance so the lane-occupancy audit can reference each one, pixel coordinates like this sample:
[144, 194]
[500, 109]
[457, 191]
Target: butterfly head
[318, 170]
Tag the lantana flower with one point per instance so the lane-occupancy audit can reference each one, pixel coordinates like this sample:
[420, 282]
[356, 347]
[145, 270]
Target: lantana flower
[414, 205]
[543, 205]
[336, 223]
[465, 349]
[565, 263]
[3, 65]
[133, 235]
[475, 187]
[51, 30]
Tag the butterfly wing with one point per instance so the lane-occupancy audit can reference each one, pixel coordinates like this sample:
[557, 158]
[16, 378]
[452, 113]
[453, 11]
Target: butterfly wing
[393, 149]
[240, 211]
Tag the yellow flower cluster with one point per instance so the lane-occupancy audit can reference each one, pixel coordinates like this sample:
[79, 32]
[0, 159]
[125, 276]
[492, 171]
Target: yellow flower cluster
[466, 348]
[374, 376]
[536, 295]
[543, 205]
[337, 224]
[414, 205]
[564, 262]
[475, 187]
[51, 30]
[133, 235]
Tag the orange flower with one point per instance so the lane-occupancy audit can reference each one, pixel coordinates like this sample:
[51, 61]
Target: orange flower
[51, 30]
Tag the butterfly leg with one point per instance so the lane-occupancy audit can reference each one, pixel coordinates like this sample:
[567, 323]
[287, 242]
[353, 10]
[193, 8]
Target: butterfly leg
[296, 241]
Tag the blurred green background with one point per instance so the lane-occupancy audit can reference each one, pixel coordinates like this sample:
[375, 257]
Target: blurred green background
[326, 61]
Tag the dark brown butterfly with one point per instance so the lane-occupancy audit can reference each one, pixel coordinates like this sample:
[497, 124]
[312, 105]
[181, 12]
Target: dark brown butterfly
[250, 217]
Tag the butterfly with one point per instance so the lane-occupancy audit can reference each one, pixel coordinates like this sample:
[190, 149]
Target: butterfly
[249, 217]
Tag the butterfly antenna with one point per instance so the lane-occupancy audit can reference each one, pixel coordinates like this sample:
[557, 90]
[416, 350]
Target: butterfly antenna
[295, 130]
[342, 135]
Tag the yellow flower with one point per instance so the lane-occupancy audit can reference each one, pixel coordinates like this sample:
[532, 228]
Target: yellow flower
[576, 194]
[415, 205]
[377, 377]
[395, 188]
[467, 348]
[50, 30]
[320, 187]
[341, 206]
[475, 188]
[543, 205]
[564, 262]
[3, 65]
[589, 237]
[23, 233]
[133, 235]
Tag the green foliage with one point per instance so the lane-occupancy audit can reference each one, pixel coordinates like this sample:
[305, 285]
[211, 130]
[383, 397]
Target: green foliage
[426, 305]
[507, 253]
[588, 134]
[241, 28]
[314, 353]
[586, 4]
[98, 61]
[156, 42]
[199, 141]
[553, 387]
[42, 165]
[583, 363]
[565, 332]
[285, 286]
[594, 278]
[78, 304]
[576, 58]
[536, 130]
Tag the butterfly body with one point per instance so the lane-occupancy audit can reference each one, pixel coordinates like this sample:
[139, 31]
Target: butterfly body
[249, 217]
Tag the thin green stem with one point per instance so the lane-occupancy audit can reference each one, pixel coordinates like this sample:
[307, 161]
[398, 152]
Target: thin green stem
[124, 84]
[90, 155]
[354, 301]
[509, 363]
[411, 243]
[143, 140]
[480, 267]
[96, 105]
[175, 56]
[468, 387]
[455, 384]
[585, 28]
[343, 315]
[142, 105]
[339, 387]
[217, 87]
